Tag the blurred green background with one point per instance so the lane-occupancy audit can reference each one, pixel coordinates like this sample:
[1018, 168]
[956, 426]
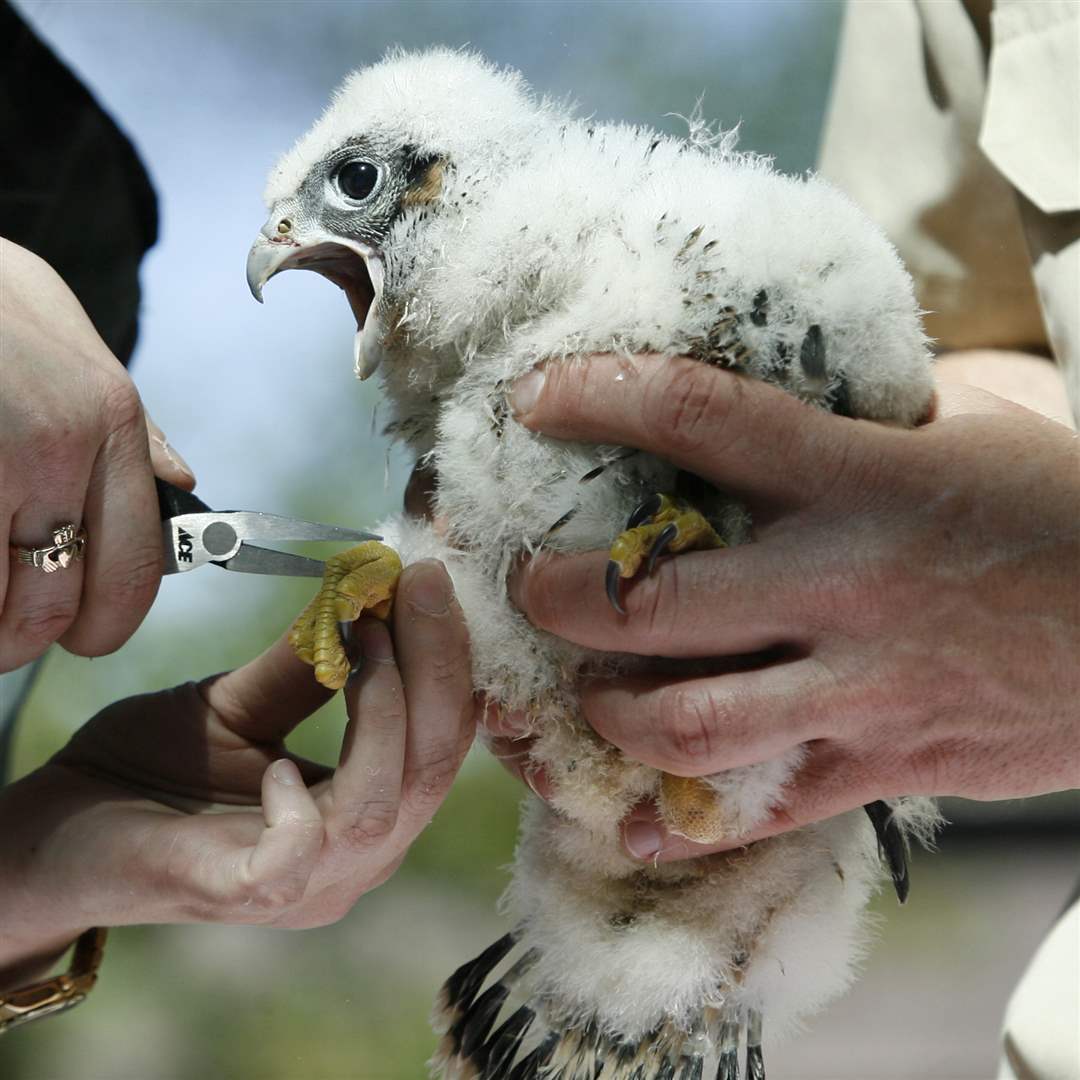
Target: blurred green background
[263, 404]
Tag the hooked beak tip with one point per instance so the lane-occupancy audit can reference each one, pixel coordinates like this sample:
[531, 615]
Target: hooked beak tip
[263, 262]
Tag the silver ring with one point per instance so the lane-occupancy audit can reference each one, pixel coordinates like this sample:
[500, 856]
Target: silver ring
[69, 544]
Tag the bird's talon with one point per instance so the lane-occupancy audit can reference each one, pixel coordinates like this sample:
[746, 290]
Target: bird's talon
[660, 525]
[660, 545]
[649, 508]
[359, 580]
[611, 581]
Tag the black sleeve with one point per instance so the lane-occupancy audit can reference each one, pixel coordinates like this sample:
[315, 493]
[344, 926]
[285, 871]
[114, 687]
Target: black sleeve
[72, 187]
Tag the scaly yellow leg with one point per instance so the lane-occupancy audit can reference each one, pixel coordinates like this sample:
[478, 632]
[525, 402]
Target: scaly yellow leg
[688, 806]
[356, 581]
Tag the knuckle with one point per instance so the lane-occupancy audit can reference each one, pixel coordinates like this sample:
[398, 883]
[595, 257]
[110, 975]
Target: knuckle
[566, 392]
[43, 623]
[853, 472]
[52, 448]
[445, 669]
[691, 721]
[653, 609]
[428, 779]
[246, 902]
[122, 594]
[271, 898]
[121, 406]
[222, 697]
[369, 826]
[131, 584]
[689, 403]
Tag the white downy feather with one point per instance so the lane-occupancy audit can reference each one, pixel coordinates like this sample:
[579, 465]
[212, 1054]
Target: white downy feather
[552, 239]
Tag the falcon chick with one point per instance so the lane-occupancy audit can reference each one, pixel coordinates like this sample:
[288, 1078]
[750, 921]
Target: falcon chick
[476, 231]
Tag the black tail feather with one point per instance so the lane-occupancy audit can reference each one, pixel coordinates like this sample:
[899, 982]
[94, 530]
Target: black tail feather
[480, 1019]
[692, 1069]
[755, 1063]
[465, 983]
[503, 1045]
[529, 1067]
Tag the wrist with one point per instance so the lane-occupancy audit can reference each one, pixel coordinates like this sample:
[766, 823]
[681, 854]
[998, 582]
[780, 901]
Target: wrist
[26, 962]
[41, 921]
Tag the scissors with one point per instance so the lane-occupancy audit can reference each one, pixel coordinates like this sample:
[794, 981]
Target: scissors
[195, 535]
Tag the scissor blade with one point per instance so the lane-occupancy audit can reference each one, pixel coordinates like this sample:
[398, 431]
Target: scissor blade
[252, 559]
[253, 525]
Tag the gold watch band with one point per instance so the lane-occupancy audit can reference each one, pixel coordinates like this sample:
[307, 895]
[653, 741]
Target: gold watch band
[50, 996]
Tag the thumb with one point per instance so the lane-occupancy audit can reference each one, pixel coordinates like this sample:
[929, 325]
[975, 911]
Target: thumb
[167, 462]
[267, 697]
[646, 837]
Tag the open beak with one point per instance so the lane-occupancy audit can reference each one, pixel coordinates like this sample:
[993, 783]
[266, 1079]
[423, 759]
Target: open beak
[354, 267]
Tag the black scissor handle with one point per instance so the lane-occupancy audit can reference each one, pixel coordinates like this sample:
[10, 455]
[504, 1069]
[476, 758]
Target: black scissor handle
[174, 501]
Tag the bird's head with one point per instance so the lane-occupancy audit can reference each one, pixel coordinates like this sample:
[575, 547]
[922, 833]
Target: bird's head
[383, 149]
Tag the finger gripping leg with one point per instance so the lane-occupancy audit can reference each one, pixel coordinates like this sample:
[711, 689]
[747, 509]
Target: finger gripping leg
[360, 580]
[660, 525]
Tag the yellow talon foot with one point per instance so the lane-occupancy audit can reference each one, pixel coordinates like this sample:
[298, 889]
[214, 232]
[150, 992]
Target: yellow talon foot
[690, 808]
[661, 524]
[359, 580]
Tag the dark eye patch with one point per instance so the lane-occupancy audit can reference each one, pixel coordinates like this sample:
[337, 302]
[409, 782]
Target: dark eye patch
[357, 179]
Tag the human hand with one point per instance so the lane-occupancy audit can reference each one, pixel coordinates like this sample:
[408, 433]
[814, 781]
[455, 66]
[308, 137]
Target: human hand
[917, 591]
[75, 446]
[185, 806]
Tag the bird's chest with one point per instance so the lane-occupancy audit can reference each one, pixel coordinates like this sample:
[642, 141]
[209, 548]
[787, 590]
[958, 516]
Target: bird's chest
[503, 488]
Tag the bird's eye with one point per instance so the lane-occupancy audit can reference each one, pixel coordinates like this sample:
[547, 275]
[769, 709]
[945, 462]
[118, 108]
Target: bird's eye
[357, 179]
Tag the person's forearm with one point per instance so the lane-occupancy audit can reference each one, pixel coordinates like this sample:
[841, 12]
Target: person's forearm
[36, 927]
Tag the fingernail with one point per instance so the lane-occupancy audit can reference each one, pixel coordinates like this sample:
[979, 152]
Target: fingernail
[374, 641]
[510, 723]
[174, 456]
[428, 591]
[526, 392]
[643, 839]
[285, 772]
[166, 447]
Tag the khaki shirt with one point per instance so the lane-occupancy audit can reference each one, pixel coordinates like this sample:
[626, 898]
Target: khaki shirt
[958, 129]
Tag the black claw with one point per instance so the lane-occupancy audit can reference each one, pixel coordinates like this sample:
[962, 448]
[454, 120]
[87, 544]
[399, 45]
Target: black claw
[611, 581]
[660, 545]
[553, 529]
[891, 845]
[755, 1063]
[465, 983]
[503, 1045]
[644, 511]
[812, 353]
